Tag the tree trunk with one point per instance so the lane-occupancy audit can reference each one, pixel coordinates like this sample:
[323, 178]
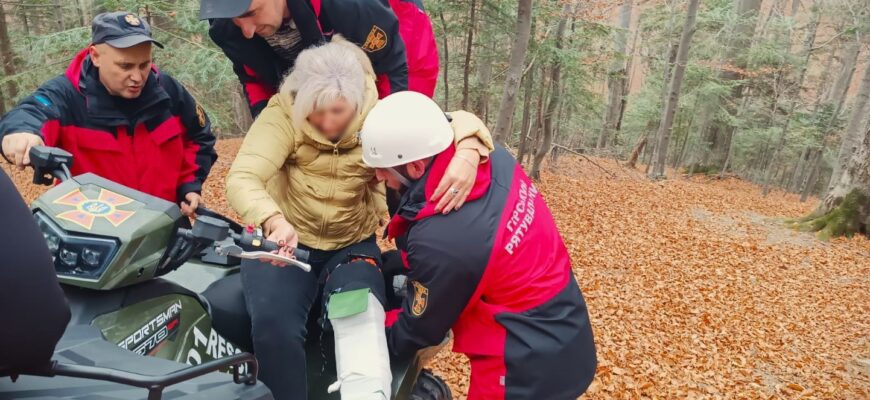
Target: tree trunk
[640, 145]
[484, 77]
[808, 45]
[446, 62]
[797, 175]
[515, 70]
[538, 125]
[555, 97]
[670, 107]
[810, 180]
[526, 127]
[845, 210]
[469, 44]
[616, 77]
[720, 133]
[8, 59]
[852, 135]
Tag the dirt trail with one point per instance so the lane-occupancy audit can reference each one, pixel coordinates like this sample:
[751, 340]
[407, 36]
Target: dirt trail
[695, 288]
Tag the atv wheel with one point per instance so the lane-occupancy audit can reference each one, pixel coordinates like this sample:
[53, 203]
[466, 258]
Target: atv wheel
[430, 387]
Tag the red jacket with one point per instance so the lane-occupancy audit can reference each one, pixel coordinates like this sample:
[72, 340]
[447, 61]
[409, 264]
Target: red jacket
[496, 272]
[396, 35]
[160, 143]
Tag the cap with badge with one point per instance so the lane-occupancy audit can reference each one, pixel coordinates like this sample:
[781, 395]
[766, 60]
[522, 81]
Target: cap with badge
[121, 30]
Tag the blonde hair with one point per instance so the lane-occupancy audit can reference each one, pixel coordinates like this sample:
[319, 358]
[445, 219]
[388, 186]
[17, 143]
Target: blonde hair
[326, 73]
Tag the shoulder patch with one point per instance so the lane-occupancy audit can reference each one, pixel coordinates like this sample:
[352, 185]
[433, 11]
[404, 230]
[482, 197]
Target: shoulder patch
[376, 40]
[421, 299]
[200, 116]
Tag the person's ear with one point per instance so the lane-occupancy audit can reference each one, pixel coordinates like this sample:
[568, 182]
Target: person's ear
[95, 55]
[416, 169]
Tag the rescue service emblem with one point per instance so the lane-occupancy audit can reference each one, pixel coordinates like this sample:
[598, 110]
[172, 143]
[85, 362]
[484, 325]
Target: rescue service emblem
[421, 299]
[200, 116]
[88, 210]
[376, 40]
[132, 20]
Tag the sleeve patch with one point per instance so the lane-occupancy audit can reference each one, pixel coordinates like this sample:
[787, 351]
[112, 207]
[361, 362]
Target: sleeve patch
[376, 40]
[42, 100]
[421, 299]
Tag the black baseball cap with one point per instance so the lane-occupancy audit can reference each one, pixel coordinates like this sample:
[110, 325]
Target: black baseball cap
[121, 30]
[221, 9]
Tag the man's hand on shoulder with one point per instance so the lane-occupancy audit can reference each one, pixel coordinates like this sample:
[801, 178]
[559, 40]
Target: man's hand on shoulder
[16, 147]
[191, 201]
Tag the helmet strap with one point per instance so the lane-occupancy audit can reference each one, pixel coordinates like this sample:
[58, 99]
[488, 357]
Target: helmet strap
[398, 175]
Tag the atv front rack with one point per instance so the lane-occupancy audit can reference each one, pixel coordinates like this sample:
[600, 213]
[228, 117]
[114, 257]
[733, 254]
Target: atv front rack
[155, 383]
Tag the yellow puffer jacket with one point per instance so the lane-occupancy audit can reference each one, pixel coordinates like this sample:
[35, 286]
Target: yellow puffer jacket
[322, 188]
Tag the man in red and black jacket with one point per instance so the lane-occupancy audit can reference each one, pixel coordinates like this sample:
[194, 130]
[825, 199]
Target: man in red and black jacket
[119, 116]
[262, 38]
[496, 271]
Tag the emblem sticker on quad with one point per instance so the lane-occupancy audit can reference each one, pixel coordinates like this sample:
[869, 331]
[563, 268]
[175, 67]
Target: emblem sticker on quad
[87, 210]
[147, 339]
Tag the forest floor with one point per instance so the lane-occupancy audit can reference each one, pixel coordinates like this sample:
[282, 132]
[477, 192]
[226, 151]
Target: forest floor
[694, 286]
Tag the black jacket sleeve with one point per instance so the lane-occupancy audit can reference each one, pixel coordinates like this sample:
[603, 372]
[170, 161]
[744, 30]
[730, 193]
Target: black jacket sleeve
[31, 299]
[373, 25]
[440, 284]
[199, 151]
[257, 90]
[47, 103]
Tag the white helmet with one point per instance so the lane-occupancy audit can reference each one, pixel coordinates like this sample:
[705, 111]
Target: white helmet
[402, 128]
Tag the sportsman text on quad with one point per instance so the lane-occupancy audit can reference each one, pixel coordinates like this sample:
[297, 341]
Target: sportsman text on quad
[141, 282]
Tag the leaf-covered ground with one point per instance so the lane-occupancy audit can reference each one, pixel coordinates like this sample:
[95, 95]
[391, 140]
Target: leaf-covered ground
[694, 287]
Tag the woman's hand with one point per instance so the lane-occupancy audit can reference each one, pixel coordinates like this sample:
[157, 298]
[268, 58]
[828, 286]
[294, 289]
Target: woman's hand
[278, 230]
[457, 182]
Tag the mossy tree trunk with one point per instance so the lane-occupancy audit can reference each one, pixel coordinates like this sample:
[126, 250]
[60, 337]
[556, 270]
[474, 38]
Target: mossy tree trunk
[845, 211]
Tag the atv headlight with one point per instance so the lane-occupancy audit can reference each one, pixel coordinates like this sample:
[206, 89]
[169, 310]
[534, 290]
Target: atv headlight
[76, 255]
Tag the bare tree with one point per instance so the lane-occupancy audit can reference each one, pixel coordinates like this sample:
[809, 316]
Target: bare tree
[446, 63]
[616, 78]
[720, 133]
[555, 96]
[852, 135]
[526, 127]
[515, 70]
[807, 52]
[469, 44]
[670, 107]
[8, 59]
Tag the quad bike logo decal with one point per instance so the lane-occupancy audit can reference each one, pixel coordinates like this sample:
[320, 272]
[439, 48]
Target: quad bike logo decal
[87, 210]
[147, 339]
[421, 299]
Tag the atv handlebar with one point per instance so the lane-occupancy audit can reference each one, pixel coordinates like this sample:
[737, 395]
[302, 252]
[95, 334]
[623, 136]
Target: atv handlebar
[156, 383]
[250, 243]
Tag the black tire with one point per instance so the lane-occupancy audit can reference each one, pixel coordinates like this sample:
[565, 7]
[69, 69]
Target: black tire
[430, 387]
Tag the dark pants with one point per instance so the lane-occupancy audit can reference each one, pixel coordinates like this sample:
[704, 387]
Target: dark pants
[280, 300]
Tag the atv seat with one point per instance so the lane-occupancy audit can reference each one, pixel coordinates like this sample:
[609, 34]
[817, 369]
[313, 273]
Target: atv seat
[83, 345]
[229, 314]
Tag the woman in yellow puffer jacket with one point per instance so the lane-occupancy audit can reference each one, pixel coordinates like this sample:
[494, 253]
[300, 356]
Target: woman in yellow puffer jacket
[300, 174]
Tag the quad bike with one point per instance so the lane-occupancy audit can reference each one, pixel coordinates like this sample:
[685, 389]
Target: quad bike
[138, 277]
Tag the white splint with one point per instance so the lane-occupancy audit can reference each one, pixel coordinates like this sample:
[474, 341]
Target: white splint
[361, 355]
